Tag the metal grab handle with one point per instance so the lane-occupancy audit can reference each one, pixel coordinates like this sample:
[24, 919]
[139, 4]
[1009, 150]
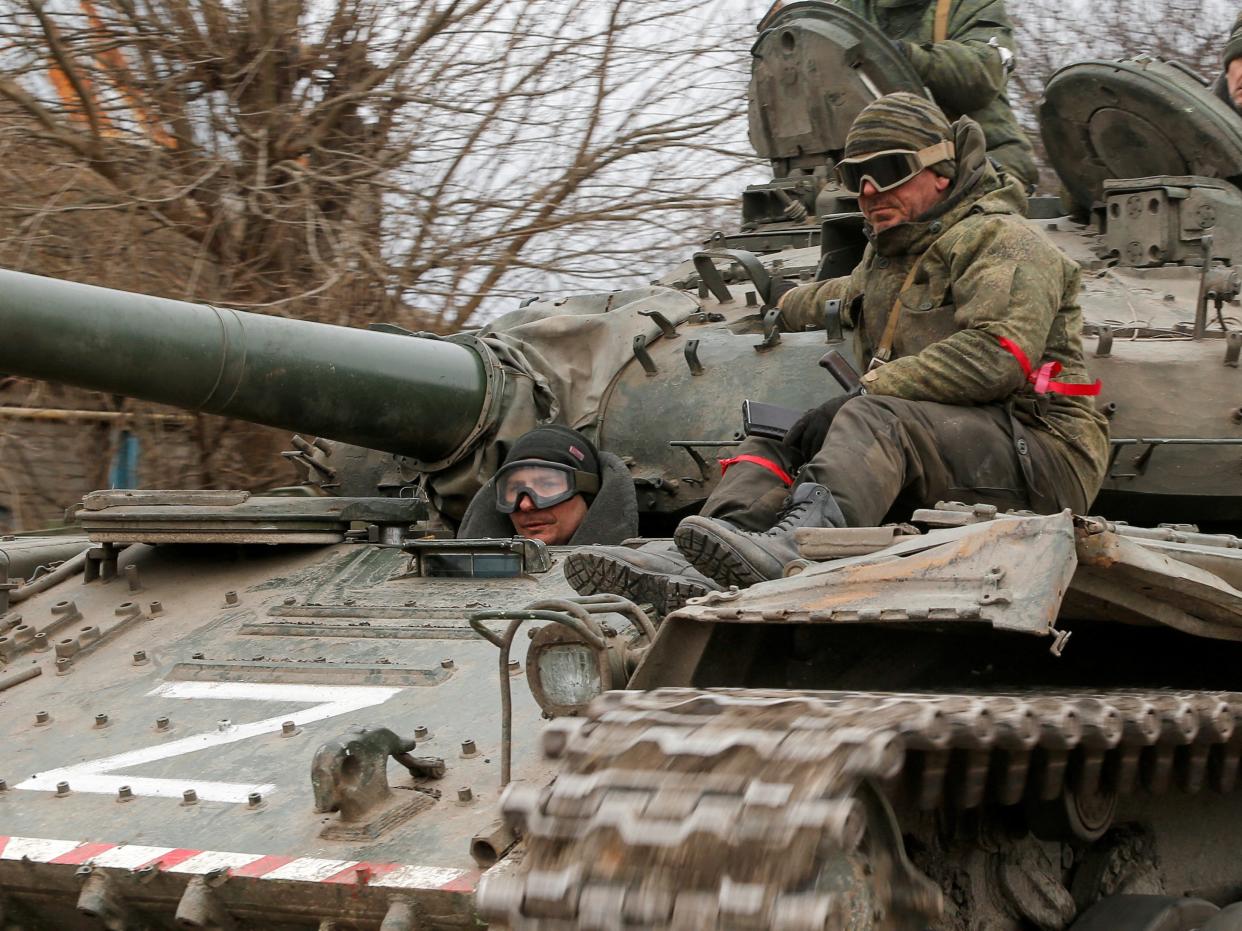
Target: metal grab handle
[605, 603]
[710, 275]
[577, 616]
[556, 610]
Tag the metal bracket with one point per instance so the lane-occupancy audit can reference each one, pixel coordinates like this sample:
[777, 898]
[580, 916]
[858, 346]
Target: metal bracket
[1149, 444]
[390, 328]
[1200, 325]
[710, 275]
[1104, 342]
[692, 357]
[350, 775]
[101, 563]
[771, 330]
[693, 453]
[1217, 283]
[400, 915]
[643, 356]
[667, 330]
[101, 900]
[832, 321]
[309, 458]
[201, 906]
[1233, 348]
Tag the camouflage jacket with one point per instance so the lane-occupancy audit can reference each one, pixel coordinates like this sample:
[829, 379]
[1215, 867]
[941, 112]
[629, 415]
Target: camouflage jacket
[964, 73]
[983, 273]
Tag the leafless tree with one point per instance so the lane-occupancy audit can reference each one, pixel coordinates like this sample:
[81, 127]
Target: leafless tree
[357, 160]
[365, 158]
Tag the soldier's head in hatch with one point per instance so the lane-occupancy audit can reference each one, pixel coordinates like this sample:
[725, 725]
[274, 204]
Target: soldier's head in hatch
[899, 159]
[1233, 63]
[547, 483]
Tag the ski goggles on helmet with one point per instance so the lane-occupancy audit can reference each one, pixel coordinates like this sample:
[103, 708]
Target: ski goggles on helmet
[890, 168]
[546, 483]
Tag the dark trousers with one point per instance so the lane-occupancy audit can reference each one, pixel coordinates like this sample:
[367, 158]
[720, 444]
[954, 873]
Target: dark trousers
[884, 457]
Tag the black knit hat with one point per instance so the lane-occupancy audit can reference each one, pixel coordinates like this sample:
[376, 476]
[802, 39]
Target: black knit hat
[556, 443]
[900, 121]
[1233, 48]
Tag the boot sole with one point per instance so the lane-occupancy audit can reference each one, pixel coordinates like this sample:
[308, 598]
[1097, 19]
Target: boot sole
[593, 574]
[715, 558]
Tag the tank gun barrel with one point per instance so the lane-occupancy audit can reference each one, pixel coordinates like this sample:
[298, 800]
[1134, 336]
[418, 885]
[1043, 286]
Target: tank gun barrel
[416, 397]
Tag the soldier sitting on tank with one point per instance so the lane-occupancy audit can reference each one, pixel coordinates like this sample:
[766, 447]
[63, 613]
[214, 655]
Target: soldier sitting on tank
[977, 389]
[554, 486]
[1228, 86]
[963, 51]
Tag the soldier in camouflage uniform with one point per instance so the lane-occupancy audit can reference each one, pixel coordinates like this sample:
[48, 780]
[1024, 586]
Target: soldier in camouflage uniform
[1228, 86]
[966, 71]
[982, 394]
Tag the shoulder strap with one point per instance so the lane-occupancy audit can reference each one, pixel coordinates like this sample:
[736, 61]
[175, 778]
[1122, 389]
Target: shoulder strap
[884, 351]
[940, 31]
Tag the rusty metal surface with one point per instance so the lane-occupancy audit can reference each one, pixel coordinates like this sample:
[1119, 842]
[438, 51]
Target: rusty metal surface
[1141, 584]
[1009, 573]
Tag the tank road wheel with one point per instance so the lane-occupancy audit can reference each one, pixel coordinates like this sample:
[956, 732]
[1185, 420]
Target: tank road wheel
[1073, 815]
[1147, 913]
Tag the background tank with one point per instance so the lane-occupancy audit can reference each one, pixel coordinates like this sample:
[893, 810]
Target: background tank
[883, 740]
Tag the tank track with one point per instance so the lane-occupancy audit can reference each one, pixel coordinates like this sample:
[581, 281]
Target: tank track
[737, 809]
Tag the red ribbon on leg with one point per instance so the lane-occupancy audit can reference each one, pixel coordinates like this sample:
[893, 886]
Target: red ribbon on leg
[773, 467]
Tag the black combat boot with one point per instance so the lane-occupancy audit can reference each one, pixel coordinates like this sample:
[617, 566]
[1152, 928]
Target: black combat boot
[739, 557]
[655, 574]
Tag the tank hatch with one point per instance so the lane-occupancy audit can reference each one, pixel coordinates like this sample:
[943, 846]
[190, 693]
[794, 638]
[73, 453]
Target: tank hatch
[1135, 118]
[815, 66]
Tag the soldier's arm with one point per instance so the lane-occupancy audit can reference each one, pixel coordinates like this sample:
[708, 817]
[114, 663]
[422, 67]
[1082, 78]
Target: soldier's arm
[966, 72]
[1003, 287]
[802, 308]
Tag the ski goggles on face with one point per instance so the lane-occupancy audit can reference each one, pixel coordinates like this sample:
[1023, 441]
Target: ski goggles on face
[546, 483]
[890, 168]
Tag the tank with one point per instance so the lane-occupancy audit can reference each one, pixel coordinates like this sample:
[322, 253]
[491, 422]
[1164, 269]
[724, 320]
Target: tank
[314, 709]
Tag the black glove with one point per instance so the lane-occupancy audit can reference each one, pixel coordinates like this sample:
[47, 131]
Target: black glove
[809, 431]
[778, 288]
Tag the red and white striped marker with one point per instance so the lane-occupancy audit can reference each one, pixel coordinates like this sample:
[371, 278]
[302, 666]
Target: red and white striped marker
[245, 865]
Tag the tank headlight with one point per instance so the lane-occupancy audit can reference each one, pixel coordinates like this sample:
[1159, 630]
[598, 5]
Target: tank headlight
[569, 673]
[565, 672]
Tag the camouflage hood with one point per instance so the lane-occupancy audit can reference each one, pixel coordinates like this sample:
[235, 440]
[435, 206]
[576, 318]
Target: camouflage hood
[977, 189]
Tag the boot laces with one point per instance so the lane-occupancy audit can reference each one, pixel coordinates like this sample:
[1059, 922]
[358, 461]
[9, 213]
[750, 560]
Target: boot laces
[790, 515]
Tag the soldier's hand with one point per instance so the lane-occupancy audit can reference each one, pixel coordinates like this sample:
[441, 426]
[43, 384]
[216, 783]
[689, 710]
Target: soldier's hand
[809, 431]
[777, 291]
